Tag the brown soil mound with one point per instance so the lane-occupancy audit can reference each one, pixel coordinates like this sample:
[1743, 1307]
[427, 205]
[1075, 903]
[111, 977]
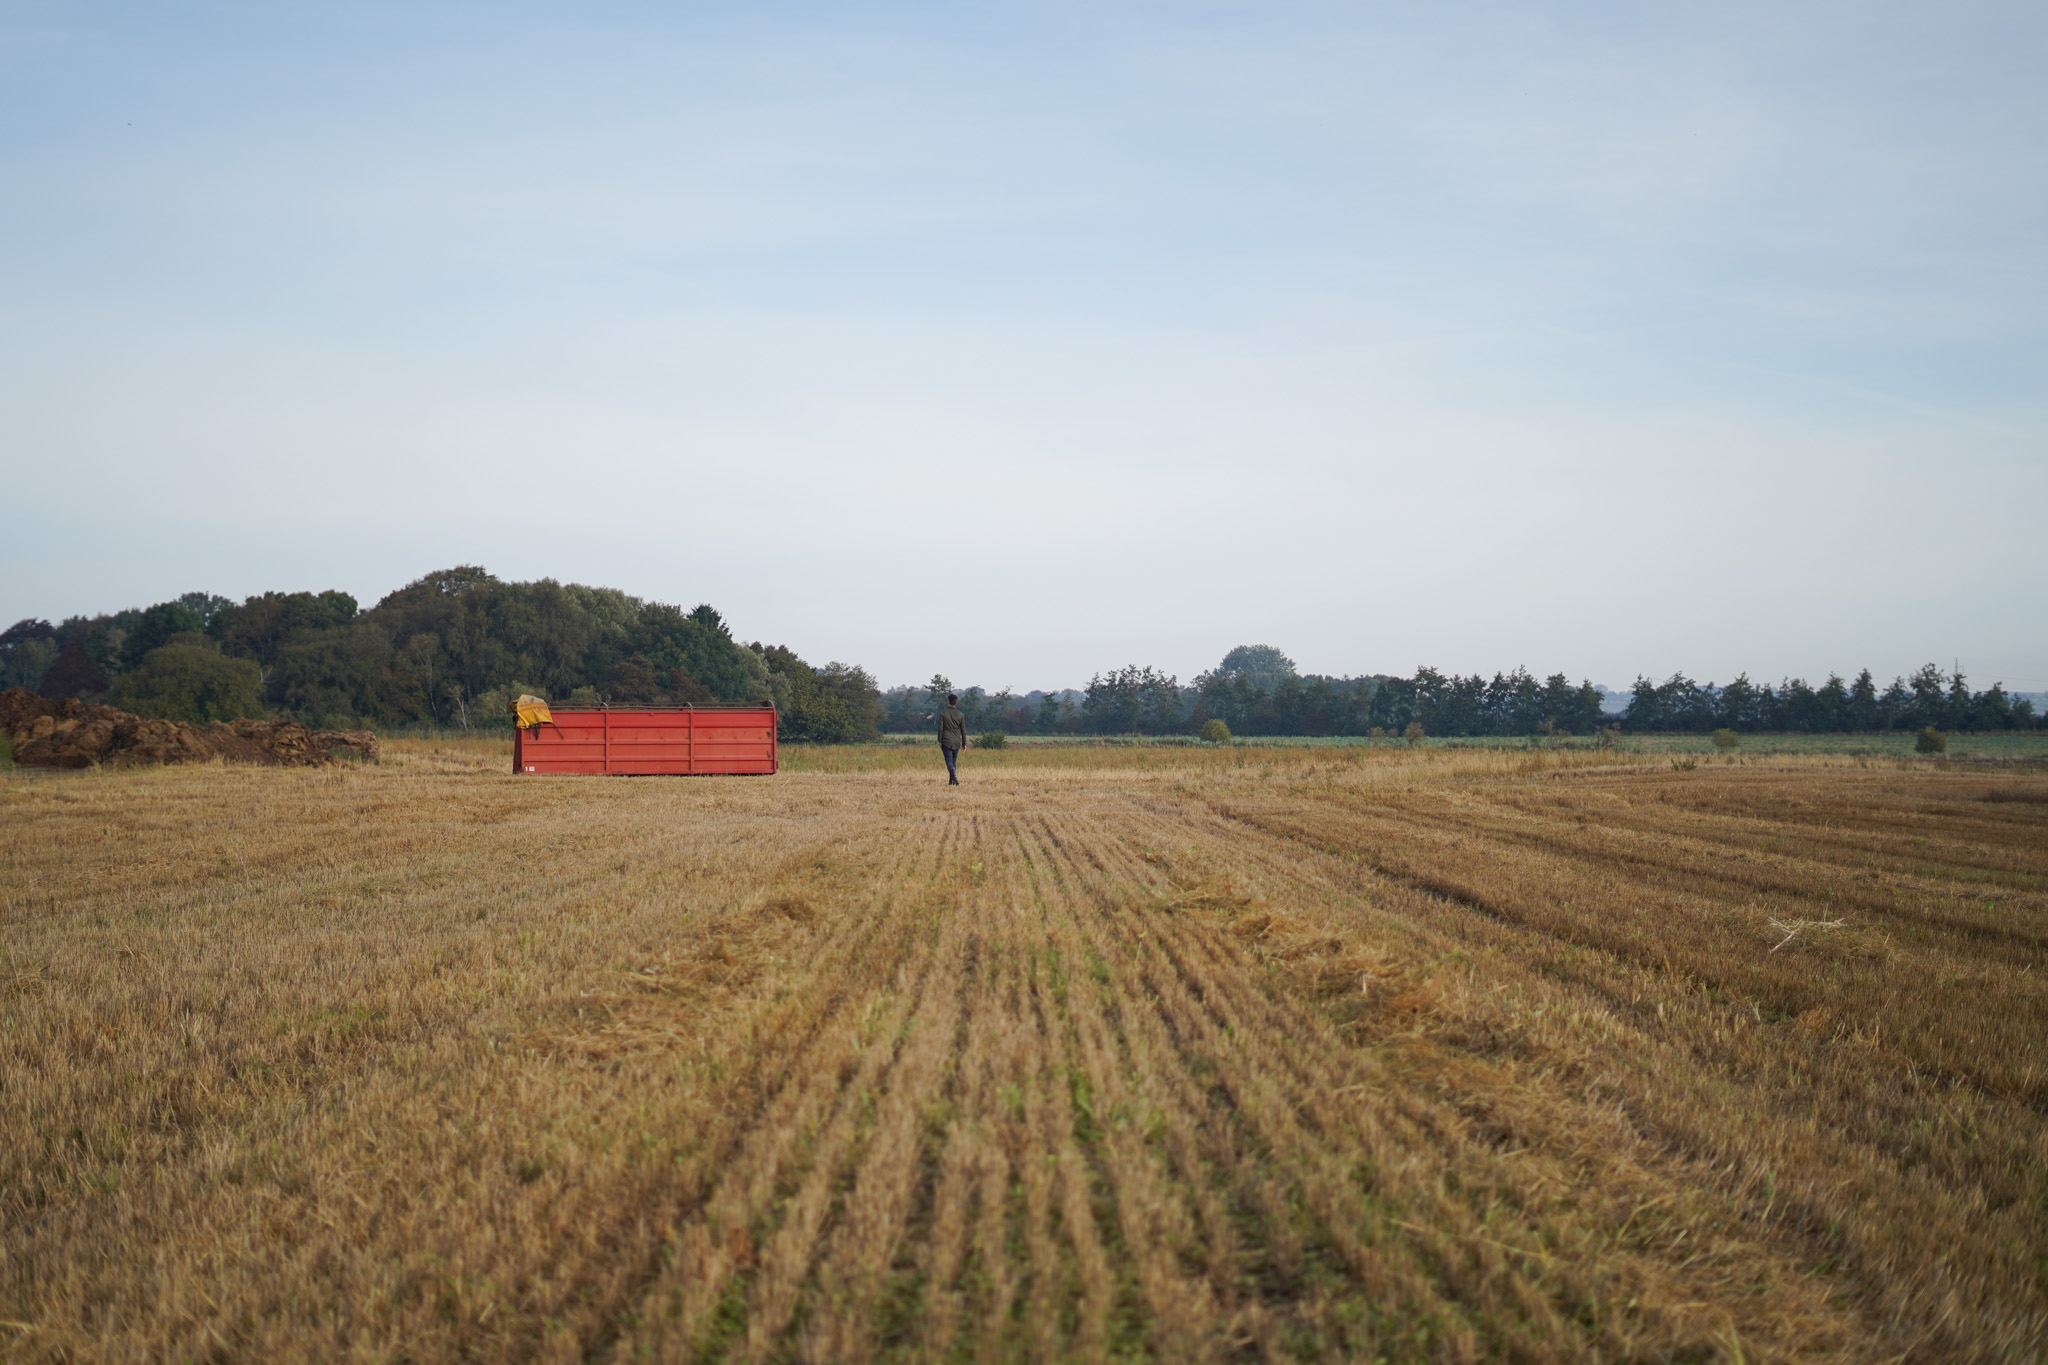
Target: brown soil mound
[360, 743]
[74, 734]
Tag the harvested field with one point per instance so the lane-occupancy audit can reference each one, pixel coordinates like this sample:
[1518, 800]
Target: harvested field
[1177, 1055]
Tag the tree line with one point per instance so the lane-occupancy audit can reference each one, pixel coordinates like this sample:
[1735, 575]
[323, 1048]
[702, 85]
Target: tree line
[1928, 698]
[451, 649]
[1256, 690]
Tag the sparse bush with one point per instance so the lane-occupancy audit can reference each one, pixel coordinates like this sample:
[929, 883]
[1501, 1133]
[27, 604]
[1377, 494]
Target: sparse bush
[1376, 733]
[1215, 731]
[1726, 740]
[994, 739]
[1684, 765]
[1413, 734]
[1930, 741]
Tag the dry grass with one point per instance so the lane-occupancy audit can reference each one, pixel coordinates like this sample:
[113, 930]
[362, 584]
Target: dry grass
[1175, 1054]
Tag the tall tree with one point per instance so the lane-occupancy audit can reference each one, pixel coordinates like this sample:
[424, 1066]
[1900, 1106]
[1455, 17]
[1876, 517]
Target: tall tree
[27, 649]
[1263, 666]
[1862, 712]
[72, 674]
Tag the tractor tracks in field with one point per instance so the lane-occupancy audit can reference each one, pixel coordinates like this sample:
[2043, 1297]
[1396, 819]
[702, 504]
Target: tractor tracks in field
[1831, 1107]
[1050, 1107]
[780, 1147]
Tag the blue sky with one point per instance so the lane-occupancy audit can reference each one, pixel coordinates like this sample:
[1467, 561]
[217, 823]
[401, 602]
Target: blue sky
[1016, 342]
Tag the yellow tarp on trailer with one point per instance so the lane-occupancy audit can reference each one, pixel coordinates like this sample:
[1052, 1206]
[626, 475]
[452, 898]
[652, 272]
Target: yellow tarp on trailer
[530, 713]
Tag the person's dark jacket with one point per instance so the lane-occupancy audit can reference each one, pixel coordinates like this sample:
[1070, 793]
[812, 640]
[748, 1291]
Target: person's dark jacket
[952, 728]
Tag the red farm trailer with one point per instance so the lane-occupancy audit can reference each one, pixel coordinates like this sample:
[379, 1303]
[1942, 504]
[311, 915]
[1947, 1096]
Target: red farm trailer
[648, 740]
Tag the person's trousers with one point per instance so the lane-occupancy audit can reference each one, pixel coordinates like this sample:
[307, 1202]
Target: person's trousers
[952, 765]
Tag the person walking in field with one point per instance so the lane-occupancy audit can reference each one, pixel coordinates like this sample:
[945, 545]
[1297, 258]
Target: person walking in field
[952, 737]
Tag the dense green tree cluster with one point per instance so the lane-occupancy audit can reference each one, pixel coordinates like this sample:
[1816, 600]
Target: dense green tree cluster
[1133, 700]
[184, 679]
[1506, 704]
[910, 710]
[833, 704]
[1443, 704]
[1256, 691]
[451, 649]
[1928, 698]
[28, 649]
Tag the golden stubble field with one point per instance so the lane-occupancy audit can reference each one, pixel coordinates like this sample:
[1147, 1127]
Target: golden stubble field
[1147, 1054]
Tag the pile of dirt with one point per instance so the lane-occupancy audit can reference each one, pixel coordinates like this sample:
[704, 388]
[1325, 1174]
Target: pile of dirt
[76, 734]
[360, 744]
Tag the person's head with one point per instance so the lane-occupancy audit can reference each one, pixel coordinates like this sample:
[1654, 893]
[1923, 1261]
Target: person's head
[952, 700]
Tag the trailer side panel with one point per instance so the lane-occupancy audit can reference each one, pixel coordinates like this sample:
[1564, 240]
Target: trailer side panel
[648, 741]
